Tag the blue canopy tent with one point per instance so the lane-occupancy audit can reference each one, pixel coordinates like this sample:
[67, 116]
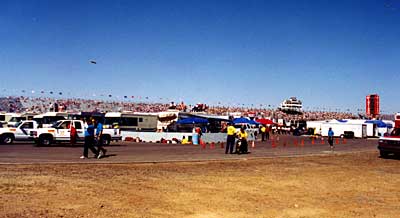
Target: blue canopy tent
[192, 120]
[244, 120]
[378, 123]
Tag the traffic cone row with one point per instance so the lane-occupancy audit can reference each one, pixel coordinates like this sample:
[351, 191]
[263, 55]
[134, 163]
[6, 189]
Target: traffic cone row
[296, 142]
[274, 143]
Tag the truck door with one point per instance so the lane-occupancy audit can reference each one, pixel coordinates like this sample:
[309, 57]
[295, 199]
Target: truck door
[63, 131]
[364, 131]
[80, 130]
[23, 131]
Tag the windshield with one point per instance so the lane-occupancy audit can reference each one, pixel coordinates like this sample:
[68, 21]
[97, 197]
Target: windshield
[112, 120]
[56, 124]
[17, 124]
[395, 132]
[238, 126]
[15, 119]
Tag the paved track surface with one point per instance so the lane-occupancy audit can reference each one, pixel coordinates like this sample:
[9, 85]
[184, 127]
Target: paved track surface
[129, 152]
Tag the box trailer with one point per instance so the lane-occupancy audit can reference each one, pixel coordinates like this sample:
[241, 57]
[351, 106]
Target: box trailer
[345, 129]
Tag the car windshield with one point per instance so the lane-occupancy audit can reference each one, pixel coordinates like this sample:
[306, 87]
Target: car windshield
[238, 126]
[17, 124]
[15, 119]
[56, 124]
[396, 132]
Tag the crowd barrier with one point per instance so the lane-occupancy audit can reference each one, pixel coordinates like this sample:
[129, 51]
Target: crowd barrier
[157, 136]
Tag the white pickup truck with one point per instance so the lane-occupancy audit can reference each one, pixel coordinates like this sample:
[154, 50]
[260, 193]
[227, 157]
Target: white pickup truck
[20, 132]
[61, 132]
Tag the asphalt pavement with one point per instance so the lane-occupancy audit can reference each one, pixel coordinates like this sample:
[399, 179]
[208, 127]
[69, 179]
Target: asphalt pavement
[130, 152]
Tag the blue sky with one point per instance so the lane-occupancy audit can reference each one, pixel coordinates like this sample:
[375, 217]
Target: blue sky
[330, 54]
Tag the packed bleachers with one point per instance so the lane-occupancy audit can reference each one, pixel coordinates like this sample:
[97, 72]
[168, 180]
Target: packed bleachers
[42, 104]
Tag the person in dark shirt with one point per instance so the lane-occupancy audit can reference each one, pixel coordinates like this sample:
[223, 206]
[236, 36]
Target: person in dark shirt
[330, 138]
[99, 139]
[89, 140]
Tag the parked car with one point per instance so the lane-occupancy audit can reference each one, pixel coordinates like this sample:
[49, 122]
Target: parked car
[390, 143]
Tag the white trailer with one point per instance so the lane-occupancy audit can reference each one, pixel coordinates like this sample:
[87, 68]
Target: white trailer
[372, 129]
[316, 125]
[339, 129]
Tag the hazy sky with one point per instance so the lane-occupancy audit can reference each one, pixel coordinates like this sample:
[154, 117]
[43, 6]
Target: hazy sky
[330, 54]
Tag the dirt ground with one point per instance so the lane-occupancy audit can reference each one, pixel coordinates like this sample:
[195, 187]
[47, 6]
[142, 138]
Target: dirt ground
[342, 185]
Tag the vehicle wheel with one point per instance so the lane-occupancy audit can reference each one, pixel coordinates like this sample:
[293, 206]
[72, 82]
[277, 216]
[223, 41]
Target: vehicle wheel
[7, 139]
[105, 140]
[45, 140]
[383, 154]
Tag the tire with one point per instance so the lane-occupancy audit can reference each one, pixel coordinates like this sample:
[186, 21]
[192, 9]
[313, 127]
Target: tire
[383, 154]
[45, 140]
[7, 139]
[106, 140]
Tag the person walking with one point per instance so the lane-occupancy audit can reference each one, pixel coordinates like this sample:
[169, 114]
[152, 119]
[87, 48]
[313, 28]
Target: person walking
[99, 139]
[230, 140]
[330, 138]
[89, 140]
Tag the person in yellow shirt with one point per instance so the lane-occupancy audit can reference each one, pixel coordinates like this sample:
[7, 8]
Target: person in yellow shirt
[263, 133]
[184, 141]
[243, 148]
[230, 140]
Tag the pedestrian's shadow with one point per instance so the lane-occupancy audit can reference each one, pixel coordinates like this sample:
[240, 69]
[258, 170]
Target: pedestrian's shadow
[108, 155]
[66, 145]
[391, 157]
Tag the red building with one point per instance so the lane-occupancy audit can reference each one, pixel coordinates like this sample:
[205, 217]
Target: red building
[372, 105]
[397, 121]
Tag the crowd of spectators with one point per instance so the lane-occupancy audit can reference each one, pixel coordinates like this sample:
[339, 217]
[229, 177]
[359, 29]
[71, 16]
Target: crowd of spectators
[41, 105]
[277, 114]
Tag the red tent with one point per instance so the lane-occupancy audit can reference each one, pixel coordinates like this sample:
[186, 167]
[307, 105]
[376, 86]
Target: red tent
[265, 121]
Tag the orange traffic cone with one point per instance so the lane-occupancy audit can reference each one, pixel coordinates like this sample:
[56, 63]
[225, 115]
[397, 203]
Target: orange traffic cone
[337, 141]
[322, 141]
[302, 143]
[222, 145]
[313, 141]
[212, 145]
[295, 142]
[344, 141]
